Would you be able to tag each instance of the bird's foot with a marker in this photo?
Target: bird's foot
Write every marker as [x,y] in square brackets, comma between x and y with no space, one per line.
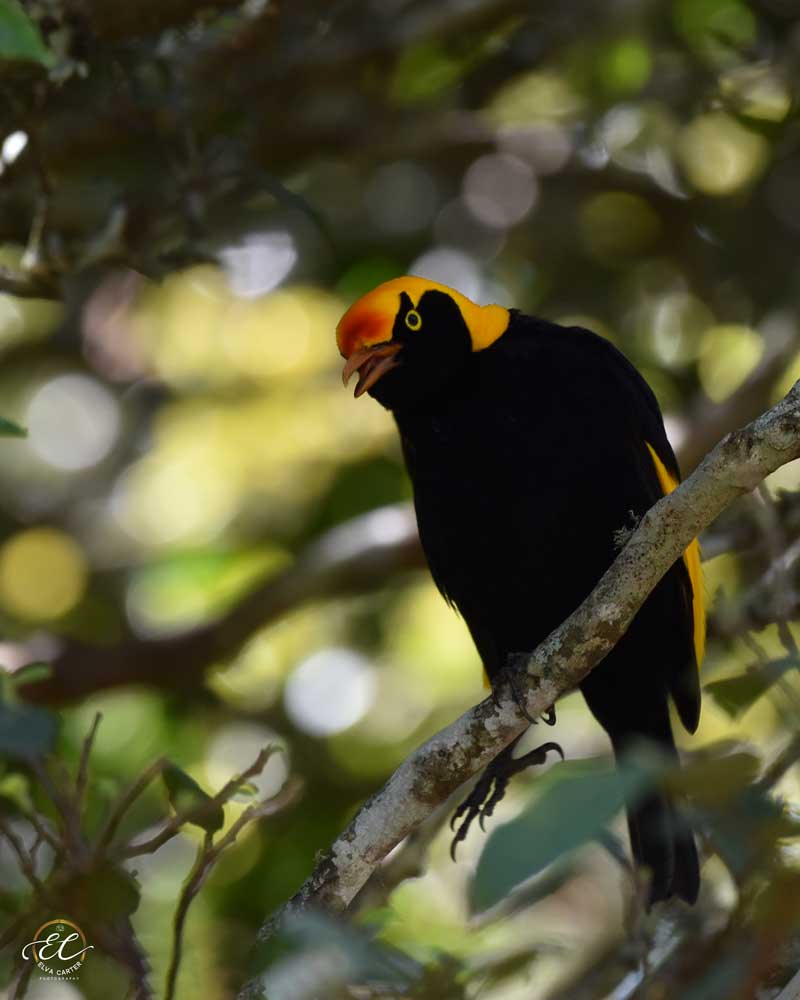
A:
[623,534]
[491,787]
[509,676]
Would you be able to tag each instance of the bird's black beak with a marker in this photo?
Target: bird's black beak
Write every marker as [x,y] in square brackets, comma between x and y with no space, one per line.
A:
[371,363]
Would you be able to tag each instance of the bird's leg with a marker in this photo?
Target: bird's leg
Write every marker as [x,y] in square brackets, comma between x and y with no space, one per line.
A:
[491,787]
[509,676]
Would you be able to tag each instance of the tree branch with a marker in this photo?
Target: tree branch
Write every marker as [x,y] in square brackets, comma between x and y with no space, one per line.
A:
[353,557]
[356,556]
[27,284]
[736,466]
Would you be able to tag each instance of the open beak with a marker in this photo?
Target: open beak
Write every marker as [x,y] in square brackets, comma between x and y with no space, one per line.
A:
[371,363]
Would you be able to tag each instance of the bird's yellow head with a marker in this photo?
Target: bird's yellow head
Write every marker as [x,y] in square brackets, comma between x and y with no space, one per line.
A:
[417,329]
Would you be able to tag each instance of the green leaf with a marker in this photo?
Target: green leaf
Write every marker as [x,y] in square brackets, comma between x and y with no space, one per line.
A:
[111,891]
[19,36]
[15,794]
[360,956]
[578,801]
[735,695]
[7,427]
[244,793]
[26,731]
[188,798]
[716,779]
[31,673]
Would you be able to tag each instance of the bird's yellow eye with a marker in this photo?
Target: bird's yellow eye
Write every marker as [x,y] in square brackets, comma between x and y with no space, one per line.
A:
[413,319]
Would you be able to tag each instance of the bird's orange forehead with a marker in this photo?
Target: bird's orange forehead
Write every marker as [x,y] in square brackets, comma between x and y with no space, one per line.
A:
[363,325]
[370,320]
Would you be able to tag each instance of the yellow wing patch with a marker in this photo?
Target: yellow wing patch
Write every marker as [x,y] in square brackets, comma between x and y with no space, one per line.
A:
[691,558]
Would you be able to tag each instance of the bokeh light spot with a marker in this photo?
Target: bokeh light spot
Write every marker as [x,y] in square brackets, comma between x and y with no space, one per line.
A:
[500,189]
[728,355]
[719,155]
[330,691]
[451,267]
[618,224]
[43,574]
[259,263]
[672,324]
[176,498]
[546,146]
[534,97]
[626,66]
[72,422]
[13,146]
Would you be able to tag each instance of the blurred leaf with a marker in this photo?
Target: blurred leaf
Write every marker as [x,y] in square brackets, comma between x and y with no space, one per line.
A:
[20,39]
[244,793]
[344,954]
[187,797]
[535,890]
[31,673]
[735,695]
[716,779]
[721,979]
[26,731]
[626,65]
[714,26]
[7,427]
[15,792]
[424,72]
[186,588]
[728,354]
[612,844]
[747,830]
[111,891]
[579,800]
[493,973]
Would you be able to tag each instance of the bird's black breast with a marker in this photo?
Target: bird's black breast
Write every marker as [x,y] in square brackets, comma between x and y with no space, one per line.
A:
[525,474]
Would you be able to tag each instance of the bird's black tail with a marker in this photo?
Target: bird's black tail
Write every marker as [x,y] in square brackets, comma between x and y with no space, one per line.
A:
[661,838]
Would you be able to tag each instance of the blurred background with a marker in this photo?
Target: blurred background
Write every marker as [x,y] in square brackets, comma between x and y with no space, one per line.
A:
[206,539]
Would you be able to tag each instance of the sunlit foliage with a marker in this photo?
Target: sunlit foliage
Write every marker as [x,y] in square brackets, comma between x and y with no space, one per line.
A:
[190,195]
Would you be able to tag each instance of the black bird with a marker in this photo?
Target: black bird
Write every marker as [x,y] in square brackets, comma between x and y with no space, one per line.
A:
[532,448]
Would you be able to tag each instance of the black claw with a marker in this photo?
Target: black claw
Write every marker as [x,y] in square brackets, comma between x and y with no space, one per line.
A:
[459,813]
[508,676]
[491,787]
[518,697]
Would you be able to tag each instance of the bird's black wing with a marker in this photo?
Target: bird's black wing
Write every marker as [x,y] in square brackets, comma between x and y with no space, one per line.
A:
[654,451]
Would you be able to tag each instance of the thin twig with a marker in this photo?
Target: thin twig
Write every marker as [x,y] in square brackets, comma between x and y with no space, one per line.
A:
[23,980]
[783,592]
[24,858]
[195,812]
[125,801]
[207,856]
[27,284]
[190,889]
[787,758]
[83,767]
[13,929]
[55,796]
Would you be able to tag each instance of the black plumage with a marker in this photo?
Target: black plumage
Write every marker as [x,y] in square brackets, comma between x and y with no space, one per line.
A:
[529,461]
